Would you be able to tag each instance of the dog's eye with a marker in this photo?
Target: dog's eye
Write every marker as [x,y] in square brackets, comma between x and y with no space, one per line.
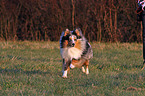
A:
[75,38]
[70,38]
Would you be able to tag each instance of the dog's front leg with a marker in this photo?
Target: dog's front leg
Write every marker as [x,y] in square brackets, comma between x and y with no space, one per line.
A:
[66,64]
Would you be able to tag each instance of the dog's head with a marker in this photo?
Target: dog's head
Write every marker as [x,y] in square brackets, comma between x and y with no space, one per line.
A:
[75,36]
[69,38]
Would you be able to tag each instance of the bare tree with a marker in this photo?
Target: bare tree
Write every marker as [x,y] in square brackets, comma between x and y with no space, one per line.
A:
[100,20]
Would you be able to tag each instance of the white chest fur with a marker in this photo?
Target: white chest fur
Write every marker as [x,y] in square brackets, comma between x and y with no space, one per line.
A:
[71,52]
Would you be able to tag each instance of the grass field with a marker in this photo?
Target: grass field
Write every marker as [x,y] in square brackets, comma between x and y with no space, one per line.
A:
[34,69]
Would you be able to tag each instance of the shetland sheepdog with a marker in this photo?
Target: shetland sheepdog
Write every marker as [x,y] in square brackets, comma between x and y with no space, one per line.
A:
[75,51]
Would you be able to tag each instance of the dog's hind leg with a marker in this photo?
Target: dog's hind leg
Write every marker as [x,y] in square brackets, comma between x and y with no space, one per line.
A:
[83,69]
[87,68]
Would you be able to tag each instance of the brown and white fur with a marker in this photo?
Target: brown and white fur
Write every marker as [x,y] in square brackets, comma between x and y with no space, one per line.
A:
[75,51]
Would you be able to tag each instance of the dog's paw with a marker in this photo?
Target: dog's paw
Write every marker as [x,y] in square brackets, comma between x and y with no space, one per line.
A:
[72,66]
[64,74]
[87,72]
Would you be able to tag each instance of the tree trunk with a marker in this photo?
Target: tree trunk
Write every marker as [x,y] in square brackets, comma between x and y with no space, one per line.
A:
[99,35]
[115,26]
[73,13]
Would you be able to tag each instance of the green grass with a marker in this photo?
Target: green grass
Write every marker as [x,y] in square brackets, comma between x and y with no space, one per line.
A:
[34,69]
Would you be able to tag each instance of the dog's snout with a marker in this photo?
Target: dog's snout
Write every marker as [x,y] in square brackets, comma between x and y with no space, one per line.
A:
[73,44]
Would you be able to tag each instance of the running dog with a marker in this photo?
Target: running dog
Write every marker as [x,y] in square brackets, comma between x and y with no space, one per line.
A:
[75,51]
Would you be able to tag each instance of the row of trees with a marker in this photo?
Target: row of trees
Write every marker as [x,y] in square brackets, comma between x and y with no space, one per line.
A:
[100,20]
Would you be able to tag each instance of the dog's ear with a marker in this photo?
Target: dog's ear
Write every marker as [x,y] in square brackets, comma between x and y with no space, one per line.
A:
[78,32]
[66,32]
